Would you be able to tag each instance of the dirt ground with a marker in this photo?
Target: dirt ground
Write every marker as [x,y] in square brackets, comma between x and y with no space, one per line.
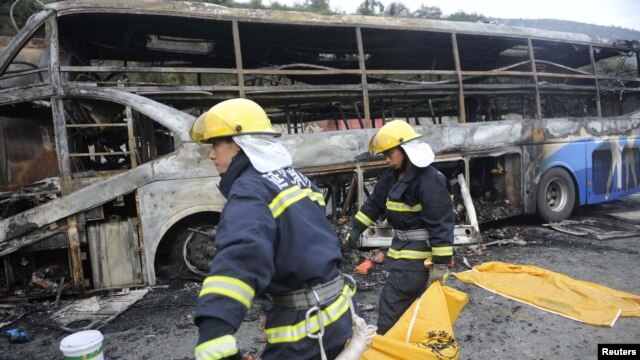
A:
[160,325]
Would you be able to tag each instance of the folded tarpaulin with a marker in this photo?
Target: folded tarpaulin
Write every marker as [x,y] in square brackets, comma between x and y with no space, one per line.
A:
[579,300]
[425,330]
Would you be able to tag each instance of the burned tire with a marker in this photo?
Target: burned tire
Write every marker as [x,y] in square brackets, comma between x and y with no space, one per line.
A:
[555,195]
[194,250]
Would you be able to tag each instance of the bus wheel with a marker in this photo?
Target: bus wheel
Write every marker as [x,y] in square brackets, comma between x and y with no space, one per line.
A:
[196,247]
[556,195]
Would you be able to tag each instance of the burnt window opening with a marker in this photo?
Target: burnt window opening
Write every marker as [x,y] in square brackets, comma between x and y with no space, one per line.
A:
[102,138]
[30,66]
[495,185]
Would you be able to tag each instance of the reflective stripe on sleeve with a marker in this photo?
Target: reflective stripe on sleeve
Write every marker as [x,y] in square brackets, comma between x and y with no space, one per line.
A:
[442,250]
[217,348]
[315,196]
[402,207]
[292,333]
[230,287]
[408,254]
[290,196]
[364,219]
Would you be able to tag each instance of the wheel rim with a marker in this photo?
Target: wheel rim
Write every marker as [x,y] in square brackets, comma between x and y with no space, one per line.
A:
[198,251]
[556,194]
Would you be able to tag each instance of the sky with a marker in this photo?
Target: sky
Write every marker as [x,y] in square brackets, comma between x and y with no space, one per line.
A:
[624,13]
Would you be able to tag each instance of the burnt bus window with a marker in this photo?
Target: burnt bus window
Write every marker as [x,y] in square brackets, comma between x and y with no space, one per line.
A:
[28,162]
[103,137]
[31,64]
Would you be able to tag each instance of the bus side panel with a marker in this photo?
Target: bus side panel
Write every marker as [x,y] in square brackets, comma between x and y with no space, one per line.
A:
[572,157]
[164,203]
[614,167]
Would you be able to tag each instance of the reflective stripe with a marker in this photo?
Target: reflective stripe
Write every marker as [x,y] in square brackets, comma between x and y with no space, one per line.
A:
[290,196]
[402,207]
[442,251]
[364,219]
[292,333]
[230,287]
[217,348]
[315,196]
[408,254]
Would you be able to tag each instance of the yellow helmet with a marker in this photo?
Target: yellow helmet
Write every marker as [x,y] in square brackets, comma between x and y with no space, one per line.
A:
[230,118]
[392,134]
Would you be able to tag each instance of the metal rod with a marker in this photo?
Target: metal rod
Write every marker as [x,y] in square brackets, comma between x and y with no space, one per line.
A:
[100,154]
[456,58]
[238,54]
[363,79]
[534,70]
[595,74]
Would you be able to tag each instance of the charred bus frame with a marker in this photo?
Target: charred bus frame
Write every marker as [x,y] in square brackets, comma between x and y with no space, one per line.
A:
[495,103]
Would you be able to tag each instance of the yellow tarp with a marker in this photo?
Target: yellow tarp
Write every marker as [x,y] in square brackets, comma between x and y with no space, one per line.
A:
[425,330]
[579,300]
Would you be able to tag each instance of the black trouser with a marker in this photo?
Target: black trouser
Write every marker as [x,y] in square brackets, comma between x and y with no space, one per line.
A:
[400,290]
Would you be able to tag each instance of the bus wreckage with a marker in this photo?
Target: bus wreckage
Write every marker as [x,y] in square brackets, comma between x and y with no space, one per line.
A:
[102,188]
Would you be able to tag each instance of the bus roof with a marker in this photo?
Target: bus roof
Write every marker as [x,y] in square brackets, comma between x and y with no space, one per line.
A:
[212,11]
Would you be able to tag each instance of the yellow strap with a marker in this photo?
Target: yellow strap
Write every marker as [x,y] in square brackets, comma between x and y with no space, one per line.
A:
[402,207]
[296,332]
[229,287]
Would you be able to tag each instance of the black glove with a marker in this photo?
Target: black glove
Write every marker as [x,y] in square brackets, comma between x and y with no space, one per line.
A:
[352,239]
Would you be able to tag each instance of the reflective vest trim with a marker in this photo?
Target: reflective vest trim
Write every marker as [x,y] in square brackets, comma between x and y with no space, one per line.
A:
[316,196]
[217,348]
[442,251]
[402,207]
[230,287]
[364,219]
[408,254]
[290,196]
[296,332]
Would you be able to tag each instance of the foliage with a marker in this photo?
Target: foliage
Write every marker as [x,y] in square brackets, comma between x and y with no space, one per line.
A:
[21,12]
[618,66]
[428,12]
[398,9]
[370,8]
[463,16]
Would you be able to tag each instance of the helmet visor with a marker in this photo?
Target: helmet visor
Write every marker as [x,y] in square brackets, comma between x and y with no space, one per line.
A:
[198,129]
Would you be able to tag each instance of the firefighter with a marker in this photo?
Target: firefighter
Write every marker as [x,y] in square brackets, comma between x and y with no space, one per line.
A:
[273,237]
[415,198]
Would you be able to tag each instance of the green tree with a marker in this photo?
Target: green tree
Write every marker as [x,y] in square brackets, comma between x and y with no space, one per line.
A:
[277,6]
[370,7]
[255,4]
[617,66]
[463,16]
[397,9]
[317,6]
[428,12]
[21,12]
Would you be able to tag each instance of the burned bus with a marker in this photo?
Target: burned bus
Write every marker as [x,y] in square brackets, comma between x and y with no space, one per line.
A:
[100,184]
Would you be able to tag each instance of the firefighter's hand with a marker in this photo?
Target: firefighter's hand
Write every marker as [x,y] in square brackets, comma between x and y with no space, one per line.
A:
[352,239]
[440,272]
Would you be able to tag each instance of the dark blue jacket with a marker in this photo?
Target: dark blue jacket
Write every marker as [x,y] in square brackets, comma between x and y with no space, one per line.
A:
[420,200]
[273,237]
